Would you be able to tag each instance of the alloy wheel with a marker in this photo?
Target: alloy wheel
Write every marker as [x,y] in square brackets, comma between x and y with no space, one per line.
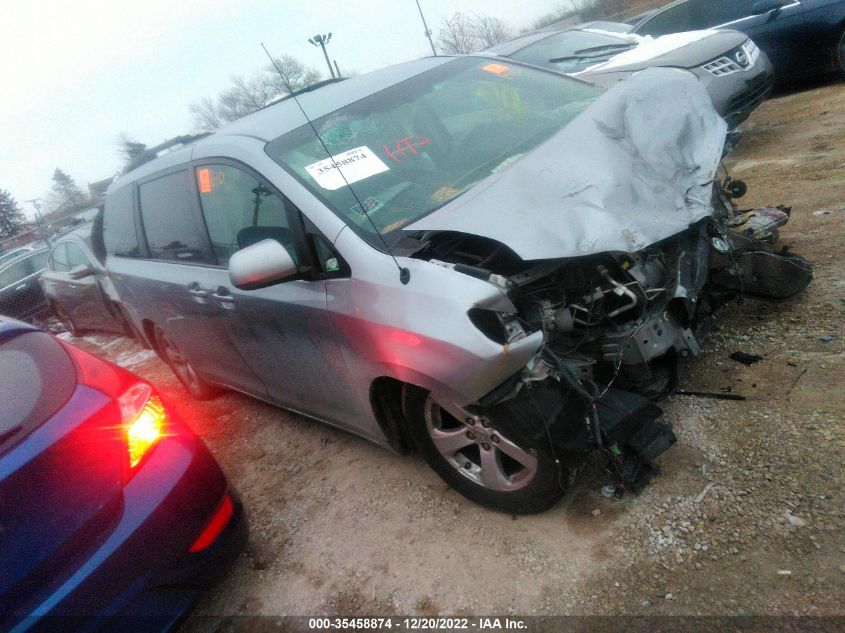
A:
[478,451]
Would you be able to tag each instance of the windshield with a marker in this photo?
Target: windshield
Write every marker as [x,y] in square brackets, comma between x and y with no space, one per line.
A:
[573,51]
[414,146]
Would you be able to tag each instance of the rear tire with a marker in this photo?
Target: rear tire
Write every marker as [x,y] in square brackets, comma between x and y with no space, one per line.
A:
[65,319]
[182,368]
[840,56]
[480,463]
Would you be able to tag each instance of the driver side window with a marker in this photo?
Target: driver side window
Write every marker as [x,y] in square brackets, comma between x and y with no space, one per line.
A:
[240,210]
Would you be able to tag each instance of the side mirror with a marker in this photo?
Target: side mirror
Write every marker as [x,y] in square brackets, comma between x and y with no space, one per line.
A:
[80,272]
[761,7]
[262,264]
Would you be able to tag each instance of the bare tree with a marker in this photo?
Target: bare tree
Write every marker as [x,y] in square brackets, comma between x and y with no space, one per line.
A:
[244,97]
[293,73]
[248,94]
[489,30]
[206,117]
[462,34]
[455,36]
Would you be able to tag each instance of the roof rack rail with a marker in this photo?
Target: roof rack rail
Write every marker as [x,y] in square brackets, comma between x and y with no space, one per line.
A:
[150,153]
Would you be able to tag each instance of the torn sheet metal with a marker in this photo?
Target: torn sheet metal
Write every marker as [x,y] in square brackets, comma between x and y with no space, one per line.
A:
[762,223]
[634,168]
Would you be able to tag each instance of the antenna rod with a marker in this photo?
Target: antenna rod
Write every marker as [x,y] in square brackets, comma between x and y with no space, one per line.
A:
[427,30]
[404,273]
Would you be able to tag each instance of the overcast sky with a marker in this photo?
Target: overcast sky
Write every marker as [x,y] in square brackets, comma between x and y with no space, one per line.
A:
[77,74]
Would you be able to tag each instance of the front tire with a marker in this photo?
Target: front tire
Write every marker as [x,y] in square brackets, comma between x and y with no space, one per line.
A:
[479,462]
[182,368]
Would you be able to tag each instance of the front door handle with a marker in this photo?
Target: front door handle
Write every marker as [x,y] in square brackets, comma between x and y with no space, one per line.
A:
[222,295]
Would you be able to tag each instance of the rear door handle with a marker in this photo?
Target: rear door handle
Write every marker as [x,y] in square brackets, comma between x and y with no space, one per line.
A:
[198,292]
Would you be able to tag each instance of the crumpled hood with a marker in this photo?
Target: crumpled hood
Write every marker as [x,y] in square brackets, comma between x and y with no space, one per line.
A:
[634,168]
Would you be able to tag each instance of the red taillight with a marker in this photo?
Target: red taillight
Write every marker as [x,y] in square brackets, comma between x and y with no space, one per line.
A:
[144,419]
[215,526]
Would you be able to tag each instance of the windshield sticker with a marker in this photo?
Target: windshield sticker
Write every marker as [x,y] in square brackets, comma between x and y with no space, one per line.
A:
[497,69]
[355,164]
[446,192]
[370,204]
[404,145]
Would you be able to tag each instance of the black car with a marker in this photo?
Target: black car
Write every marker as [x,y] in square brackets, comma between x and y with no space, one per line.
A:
[802,38]
[20,295]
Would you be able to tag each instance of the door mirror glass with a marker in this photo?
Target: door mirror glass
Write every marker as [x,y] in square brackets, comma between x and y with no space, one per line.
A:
[764,6]
[80,272]
[262,264]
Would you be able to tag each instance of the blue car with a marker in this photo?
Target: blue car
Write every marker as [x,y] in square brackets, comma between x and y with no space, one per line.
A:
[803,38]
[113,513]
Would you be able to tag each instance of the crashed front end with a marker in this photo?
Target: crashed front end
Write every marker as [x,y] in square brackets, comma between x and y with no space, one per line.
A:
[618,241]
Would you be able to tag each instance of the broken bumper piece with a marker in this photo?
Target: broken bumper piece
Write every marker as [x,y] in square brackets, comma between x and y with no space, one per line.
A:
[625,428]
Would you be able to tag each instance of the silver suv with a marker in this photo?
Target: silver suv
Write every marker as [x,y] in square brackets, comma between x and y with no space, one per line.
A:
[494,264]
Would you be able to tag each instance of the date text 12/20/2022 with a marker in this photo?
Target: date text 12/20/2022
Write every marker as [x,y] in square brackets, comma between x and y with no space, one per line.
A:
[418,624]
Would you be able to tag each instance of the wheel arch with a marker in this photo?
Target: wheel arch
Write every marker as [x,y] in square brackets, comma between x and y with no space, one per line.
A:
[148,330]
[387,402]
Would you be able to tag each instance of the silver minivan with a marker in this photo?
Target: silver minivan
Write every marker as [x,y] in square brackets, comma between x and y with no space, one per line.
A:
[492,264]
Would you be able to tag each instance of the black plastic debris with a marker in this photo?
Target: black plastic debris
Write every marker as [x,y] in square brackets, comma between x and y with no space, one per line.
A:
[711,394]
[746,359]
[827,338]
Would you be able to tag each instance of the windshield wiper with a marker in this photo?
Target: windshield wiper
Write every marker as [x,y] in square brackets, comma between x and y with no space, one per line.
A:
[599,50]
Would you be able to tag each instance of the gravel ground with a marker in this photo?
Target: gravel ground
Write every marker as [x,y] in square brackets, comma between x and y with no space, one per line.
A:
[746,518]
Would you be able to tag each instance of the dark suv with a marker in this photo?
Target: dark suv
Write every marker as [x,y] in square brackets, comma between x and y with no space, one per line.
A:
[802,38]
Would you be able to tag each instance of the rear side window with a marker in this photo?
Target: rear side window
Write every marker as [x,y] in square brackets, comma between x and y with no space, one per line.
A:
[240,210]
[168,218]
[22,268]
[119,234]
[36,379]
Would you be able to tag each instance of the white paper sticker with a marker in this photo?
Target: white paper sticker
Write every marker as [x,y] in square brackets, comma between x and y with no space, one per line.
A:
[356,164]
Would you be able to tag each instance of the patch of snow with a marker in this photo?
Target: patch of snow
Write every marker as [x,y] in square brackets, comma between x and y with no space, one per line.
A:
[649,48]
[133,358]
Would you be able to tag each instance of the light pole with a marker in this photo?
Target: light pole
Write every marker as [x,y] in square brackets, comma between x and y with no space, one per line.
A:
[427,30]
[39,219]
[321,41]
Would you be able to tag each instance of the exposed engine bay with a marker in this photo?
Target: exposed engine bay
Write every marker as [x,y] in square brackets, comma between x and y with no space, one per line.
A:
[618,328]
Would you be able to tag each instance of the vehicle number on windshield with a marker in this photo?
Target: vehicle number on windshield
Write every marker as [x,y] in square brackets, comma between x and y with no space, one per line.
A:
[353,165]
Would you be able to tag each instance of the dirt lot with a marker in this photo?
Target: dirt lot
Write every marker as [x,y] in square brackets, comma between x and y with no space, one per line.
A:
[340,526]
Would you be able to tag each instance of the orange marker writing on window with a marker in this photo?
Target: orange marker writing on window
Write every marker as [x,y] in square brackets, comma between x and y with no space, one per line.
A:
[204,178]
